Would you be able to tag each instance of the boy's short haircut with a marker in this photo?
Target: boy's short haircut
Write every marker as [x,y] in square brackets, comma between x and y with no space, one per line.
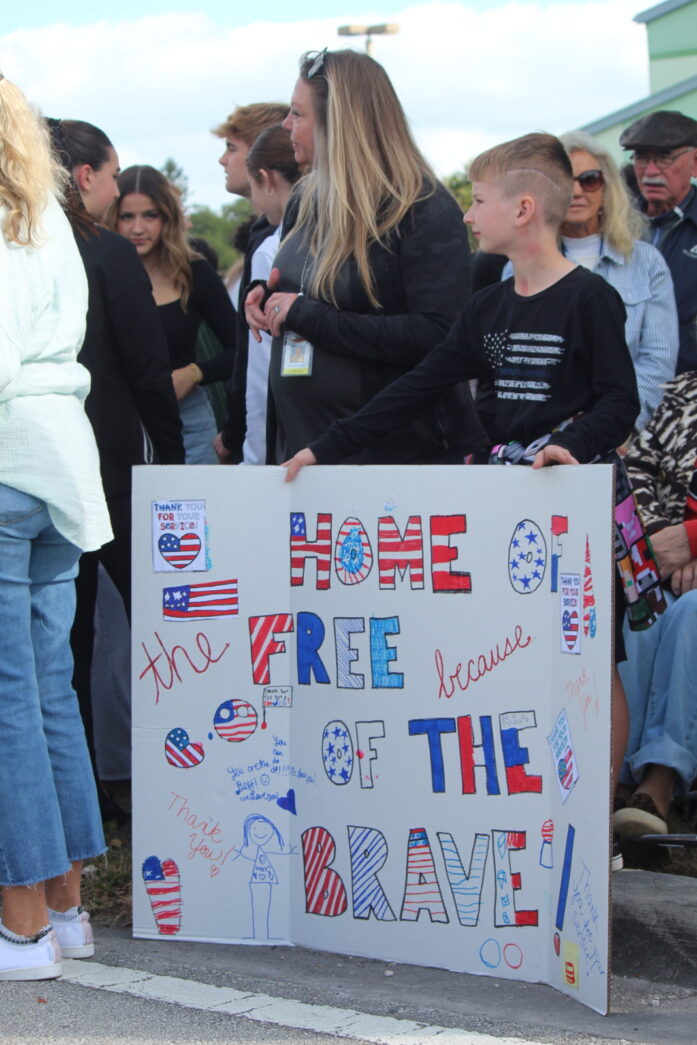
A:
[248,121]
[535,163]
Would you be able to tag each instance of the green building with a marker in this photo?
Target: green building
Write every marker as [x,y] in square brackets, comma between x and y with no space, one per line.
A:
[671,29]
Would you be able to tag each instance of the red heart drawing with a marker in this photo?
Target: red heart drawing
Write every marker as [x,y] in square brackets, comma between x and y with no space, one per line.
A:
[179,552]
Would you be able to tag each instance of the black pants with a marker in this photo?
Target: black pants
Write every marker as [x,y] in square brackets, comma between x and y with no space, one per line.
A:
[116,559]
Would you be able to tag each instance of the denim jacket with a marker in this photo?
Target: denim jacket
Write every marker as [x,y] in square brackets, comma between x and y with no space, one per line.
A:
[644,283]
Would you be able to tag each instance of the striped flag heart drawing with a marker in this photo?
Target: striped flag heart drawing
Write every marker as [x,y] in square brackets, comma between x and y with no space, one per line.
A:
[569,627]
[161,878]
[181,752]
[179,552]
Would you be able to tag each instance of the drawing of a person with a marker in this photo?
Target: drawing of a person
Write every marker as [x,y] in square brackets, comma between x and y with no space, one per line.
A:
[259,833]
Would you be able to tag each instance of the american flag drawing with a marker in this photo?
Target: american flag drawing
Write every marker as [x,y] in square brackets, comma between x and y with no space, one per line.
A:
[567,769]
[353,555]
[401,553]
[179,552]
[589,622]
[301,549]
[235,720]
[422,889]
[569,627]
[200,601]
[324,889]
[181,752]
[161,878]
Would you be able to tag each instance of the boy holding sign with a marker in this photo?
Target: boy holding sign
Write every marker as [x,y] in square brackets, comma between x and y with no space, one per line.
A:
[550,340]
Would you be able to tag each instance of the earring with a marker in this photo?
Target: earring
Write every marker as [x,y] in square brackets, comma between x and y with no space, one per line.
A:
[268,191]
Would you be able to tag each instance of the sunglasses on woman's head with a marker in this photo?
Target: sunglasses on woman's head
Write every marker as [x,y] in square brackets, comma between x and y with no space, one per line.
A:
[317,64]
[590,181]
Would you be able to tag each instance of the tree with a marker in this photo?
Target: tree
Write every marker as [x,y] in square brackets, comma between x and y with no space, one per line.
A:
[461,188]
[219,228]
[174,173]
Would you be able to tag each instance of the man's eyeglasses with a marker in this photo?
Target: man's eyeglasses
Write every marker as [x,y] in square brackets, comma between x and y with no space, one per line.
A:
[590,181]
[662,160]
[317,64]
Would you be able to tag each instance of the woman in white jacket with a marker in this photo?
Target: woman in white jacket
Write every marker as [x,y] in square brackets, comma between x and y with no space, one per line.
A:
[51,509]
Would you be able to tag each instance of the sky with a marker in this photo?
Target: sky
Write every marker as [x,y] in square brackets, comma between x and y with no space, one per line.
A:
[157,75]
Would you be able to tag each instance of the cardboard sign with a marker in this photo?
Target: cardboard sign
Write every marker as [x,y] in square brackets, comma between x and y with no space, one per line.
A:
[360,728]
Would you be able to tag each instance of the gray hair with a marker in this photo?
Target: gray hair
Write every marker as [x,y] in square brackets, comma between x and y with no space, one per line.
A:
[620,222]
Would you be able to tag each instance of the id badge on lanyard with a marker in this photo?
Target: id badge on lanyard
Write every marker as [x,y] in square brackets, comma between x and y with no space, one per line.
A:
[296,359]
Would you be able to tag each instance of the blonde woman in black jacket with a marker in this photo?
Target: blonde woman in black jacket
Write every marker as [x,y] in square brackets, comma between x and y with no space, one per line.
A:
[372,270]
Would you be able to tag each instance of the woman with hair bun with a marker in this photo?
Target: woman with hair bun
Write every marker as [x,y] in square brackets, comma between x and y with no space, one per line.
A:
[187,290]
[373,268]
[51,508]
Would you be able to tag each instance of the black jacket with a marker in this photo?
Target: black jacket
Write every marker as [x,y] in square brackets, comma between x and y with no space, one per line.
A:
[679,247]
[422,280]
[131,405]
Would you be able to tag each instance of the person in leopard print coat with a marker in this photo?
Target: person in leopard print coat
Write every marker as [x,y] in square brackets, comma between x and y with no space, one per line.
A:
[661,667]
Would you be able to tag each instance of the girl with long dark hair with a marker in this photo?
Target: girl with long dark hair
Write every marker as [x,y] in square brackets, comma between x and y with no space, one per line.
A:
[187,290]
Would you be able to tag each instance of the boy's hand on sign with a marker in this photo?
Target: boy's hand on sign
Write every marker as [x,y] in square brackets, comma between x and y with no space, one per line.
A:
[294,465]
[553,454]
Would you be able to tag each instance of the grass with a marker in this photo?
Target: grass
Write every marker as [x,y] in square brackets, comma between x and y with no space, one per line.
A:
[106,881]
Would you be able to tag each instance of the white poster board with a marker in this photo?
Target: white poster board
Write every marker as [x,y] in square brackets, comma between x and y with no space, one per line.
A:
[371,714]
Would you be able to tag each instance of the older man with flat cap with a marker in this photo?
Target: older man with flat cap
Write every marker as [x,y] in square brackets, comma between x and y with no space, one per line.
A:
[665,161]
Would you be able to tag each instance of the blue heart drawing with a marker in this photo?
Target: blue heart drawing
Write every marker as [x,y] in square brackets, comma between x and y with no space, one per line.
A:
[287,802]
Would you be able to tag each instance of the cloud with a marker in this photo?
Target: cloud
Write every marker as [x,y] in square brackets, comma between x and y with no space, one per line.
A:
[466,78]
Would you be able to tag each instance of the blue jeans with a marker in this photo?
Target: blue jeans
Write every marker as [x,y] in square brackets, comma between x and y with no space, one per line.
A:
[198,428]
[49,813]
[659,679]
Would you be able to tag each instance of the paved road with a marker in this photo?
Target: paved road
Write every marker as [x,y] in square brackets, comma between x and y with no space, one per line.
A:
[160,992]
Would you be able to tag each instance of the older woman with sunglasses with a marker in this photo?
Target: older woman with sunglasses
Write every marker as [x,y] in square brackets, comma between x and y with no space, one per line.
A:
[602,232]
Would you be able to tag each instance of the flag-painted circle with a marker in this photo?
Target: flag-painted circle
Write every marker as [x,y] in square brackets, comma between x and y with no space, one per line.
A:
[337,752]
[353,555]
[527,557]
[235,720]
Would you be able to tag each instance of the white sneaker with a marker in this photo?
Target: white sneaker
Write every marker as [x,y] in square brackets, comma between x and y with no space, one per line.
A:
[30,961]
[74,934]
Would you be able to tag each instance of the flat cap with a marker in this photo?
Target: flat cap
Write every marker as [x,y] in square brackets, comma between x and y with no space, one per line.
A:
[666,129]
